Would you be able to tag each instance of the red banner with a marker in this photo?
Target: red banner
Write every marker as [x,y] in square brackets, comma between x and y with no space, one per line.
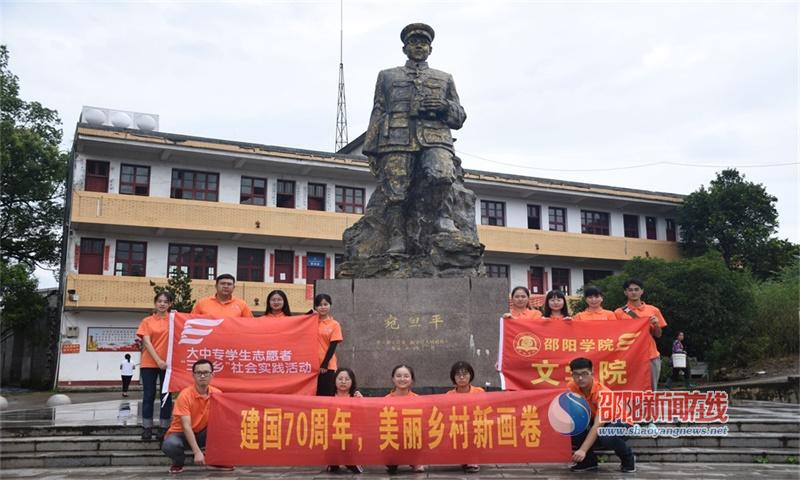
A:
[270,355]
[536,353]
[499,427]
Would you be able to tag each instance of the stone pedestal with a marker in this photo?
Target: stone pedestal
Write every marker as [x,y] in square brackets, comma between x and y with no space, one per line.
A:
[427,323]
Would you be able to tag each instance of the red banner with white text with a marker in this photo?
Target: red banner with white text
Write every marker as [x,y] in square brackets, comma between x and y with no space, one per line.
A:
[535,354]
[498,427]
[263,354]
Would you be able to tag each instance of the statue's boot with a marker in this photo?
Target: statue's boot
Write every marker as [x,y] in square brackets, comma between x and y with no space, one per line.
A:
[397,237]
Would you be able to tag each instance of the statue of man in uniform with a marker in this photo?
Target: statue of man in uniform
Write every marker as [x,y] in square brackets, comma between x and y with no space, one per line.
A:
[420,221]
[409,130]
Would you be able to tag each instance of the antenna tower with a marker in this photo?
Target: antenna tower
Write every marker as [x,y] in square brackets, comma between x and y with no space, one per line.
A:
[341,108]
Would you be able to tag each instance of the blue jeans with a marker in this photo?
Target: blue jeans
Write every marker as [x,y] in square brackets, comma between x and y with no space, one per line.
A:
[149,378]
[175,445]
[616,443]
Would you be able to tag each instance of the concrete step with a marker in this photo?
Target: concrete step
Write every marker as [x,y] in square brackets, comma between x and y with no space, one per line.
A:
[156,458]
[731,441]
[69,430]
[76,443]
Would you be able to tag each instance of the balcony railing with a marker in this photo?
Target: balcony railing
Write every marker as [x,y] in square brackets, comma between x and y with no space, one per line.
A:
[189,215]
[96,292]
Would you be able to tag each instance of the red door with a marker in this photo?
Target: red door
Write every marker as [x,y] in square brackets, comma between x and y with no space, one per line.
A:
[315,267]
[96,176]
[284,266]
[537,280]
[91,261]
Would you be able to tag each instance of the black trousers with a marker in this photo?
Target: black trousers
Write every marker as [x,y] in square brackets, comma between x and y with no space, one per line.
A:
[126,381]
[326,384]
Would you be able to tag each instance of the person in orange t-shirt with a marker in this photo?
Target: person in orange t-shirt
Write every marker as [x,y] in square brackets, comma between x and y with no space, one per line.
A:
[223,303]
[520,301]
[278,304]
[190,419]
[154,332]
[636,308]
[593,297]
[462,374]
[403,380]
[584,384]
[330,335]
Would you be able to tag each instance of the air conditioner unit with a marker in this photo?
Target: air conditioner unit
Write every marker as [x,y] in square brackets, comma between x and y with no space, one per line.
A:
[72,331]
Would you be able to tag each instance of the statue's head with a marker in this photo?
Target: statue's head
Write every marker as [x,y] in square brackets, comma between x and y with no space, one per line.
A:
[417,39]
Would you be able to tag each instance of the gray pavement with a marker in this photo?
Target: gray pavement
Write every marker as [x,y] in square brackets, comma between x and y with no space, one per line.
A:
[607,471]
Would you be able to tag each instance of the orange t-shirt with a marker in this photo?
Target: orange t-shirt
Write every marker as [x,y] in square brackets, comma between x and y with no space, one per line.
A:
[644,311]
[594,396]
[472,389]
[191,403]
[410,394]
[603,314]
[525,314]
[235,307]
[157,328]
[329,331]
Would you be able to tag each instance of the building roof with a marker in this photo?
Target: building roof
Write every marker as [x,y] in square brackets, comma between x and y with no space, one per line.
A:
[346,158]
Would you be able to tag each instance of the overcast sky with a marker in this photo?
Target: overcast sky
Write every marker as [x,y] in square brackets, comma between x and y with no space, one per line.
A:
[645,95]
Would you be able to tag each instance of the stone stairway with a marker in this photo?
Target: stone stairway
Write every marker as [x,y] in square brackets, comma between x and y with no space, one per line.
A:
[758,432]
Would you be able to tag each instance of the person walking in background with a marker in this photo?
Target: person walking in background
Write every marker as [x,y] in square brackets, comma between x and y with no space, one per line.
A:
[154,332]
[126,370]
[680,363]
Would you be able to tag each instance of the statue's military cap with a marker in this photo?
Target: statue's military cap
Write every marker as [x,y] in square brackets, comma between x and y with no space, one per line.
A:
[417,29]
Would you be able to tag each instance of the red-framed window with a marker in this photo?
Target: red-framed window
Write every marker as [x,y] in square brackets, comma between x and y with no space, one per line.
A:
[534,217]
[595,223]
[193,185]
[650,226]
[671,233]
[253,191]
[199,261]
[349,199]
[250,265]
[560,279]
[496,270]
[134,180]
[91,256]
[130,259]
[557,219]
[96,176]
[285,198]
[591,276]
[493,213]
[631,225]
[316,196]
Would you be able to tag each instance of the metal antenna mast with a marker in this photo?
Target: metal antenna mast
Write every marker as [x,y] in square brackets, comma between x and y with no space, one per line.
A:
[341,110]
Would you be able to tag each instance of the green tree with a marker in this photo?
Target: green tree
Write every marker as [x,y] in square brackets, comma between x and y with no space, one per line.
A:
[33,174]
[736,218]
[19,300]
[180,285]
[700,296]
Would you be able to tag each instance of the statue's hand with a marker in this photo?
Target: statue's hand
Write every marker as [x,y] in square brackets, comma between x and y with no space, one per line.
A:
[433,104]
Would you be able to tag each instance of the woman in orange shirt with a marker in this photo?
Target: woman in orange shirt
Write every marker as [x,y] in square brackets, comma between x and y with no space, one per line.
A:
[278,304]
[346,387]
[555,306]
[462,374]
[330,335]
[593,297]
[520,301]
[403,379]
[154,332]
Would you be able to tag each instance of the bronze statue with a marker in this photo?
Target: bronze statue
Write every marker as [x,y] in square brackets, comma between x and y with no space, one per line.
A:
[420,222]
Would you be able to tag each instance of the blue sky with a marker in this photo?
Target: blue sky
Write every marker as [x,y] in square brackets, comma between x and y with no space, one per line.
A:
[650,95]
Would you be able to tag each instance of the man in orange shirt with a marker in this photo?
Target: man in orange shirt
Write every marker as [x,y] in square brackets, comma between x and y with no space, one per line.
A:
[190,419]
[584,384]
[636,308]
[223,303]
